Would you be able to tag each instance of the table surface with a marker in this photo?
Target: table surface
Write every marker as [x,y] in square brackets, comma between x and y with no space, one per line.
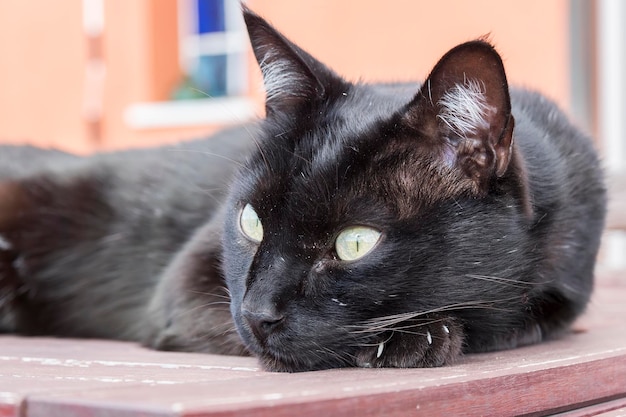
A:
[583,373]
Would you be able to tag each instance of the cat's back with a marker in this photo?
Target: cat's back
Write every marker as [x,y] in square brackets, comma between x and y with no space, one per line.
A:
[110,220]
[567,193]
[24,160]
[560,159]
[533,110]
[188,180]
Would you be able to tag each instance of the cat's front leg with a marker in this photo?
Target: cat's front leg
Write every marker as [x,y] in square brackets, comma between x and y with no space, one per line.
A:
[428,343]
[189,310]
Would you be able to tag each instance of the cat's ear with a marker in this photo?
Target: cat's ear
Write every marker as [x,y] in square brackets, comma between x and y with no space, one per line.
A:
[292,78]
[464,105]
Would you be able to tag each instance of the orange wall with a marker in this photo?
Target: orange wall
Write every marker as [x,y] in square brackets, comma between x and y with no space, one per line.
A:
[41,71]
[403,39]
[137,48]
[43,54]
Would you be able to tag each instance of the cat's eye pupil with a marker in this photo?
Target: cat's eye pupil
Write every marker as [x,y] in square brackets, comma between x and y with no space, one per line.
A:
[250,224]
[355,242]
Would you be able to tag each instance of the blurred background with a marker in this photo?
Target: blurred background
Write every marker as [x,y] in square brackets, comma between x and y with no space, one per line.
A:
[89,75]
[92,75]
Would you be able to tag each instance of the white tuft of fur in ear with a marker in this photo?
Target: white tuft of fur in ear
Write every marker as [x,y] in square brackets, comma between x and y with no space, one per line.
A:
[464,108]
[281,77]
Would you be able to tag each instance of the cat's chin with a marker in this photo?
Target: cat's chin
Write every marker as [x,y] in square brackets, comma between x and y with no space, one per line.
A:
[274,357]
[436,343]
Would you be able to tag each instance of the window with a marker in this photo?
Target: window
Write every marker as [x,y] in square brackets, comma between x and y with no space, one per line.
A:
[213,47]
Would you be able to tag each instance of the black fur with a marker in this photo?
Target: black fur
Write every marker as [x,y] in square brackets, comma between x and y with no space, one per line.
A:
[488,233]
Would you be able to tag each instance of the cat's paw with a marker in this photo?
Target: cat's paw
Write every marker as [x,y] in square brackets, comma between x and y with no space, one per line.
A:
[9,253]
[437,343]
[9,262]
[9,285]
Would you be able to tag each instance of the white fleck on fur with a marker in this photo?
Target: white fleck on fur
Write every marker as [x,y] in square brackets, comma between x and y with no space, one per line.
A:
[381,347]
[334,300]
[464,108]
[5,244]
[429,338]
[19,265]
[281,76]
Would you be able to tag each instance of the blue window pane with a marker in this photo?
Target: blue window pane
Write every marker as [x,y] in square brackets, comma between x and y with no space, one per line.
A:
[210,75]
[210,15]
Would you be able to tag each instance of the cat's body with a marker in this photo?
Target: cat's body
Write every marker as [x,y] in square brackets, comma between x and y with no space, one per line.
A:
[103,229]
[485,234]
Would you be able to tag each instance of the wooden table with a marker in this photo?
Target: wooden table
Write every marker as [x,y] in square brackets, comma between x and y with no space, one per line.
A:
[583,373]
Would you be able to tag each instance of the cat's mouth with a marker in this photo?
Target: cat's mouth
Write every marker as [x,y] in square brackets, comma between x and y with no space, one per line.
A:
[274,357]
[277,354]
[298,361]
[280,354]
[273,363]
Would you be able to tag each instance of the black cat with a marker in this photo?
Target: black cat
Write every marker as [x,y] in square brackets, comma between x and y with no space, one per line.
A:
[365,225]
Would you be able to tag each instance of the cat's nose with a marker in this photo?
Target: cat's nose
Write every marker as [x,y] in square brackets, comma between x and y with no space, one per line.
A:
[262,322]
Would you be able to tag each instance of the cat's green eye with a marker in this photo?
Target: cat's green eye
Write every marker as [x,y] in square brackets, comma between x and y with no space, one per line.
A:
[251,224]
[355,242]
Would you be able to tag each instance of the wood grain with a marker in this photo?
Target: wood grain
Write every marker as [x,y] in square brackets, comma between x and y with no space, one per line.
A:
[63,377]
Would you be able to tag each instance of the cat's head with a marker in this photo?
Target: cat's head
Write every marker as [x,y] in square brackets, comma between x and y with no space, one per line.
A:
[358,203]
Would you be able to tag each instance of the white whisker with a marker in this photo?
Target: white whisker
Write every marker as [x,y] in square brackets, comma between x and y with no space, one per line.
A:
[208,153]
[379,352]
[404,321]
[504,281]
